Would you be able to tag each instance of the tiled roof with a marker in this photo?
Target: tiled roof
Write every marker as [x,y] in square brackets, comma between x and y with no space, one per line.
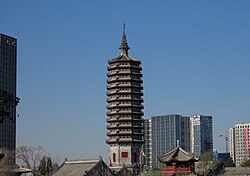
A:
[124,57]
[177,155]
[76,168]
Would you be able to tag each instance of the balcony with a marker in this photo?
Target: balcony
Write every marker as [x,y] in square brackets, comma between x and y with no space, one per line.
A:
[111,113]
[112,79]
[138,140]
[119,111]
[113,72]
[110,141]
[118,105]
[125,125]
[138,106]
[114,98]
[137,73]
[120,140]
[125,140]
[113,133]
[113,66]
[112,92]
[125,133]
[120,91]
[122,132]
[138,133]
[124,119]
[112,126]
[111,86]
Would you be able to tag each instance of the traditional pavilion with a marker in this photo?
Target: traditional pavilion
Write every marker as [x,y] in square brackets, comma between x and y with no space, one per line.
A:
[178,161]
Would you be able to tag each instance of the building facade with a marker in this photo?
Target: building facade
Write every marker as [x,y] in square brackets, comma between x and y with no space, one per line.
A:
[166,130]
[232,143]
[8,65]
[201,134]
[147,147]
[239,143]
[125,116]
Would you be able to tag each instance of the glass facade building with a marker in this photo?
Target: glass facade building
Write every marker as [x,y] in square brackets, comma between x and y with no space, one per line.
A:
[8,66]
[201,134]
[166,130]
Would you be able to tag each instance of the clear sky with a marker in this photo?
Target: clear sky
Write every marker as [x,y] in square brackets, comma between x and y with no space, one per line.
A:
[195,58]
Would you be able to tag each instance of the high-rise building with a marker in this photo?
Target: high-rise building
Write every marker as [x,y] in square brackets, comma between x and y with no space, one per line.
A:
[8,64]
[239,143]
[165,131]
[125,116]
[201,134]
[232,143]
[147,147]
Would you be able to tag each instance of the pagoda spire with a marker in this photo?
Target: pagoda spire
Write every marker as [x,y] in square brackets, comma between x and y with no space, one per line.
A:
[124,44]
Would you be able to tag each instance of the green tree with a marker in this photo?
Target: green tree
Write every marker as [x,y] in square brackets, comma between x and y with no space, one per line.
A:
[230,163]
[205,160]
[49,168]
[55,167]
[42,168]
[246,163]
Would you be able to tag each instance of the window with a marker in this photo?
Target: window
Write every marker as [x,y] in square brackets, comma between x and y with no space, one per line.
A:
[114,157]
[135,157]
[124,154]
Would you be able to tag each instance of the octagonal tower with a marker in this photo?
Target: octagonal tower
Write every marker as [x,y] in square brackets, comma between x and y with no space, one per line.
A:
[125,116]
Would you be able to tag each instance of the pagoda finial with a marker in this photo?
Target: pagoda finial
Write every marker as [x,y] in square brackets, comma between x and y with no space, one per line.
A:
[123,28]
[124,45]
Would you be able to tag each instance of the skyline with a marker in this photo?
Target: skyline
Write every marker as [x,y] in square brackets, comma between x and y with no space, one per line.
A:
[195,60]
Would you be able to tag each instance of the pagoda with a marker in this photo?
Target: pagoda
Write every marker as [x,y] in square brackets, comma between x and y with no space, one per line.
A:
[125,115]
[178,162]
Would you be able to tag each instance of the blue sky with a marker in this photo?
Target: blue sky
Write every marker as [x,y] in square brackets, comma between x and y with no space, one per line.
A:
[195,57]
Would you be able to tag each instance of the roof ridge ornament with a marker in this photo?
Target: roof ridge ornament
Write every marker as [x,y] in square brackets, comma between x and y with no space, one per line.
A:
[124,44]
[178,143]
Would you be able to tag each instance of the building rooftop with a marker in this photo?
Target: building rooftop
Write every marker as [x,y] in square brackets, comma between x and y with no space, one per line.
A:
[77,167]
[177,155]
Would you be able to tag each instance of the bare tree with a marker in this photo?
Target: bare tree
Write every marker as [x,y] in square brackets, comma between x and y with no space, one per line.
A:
[6,167]
[36,159]
[30,157]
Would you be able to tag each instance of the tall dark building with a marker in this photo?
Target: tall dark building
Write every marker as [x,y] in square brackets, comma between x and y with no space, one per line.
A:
[8,64]
[201,134]
[163,134]
[125,116]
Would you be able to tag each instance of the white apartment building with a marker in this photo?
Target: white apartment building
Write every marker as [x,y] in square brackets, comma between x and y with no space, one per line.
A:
[239,143]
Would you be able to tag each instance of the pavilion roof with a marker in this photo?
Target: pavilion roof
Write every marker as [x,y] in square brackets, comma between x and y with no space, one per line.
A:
[177,155]
[81,168]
